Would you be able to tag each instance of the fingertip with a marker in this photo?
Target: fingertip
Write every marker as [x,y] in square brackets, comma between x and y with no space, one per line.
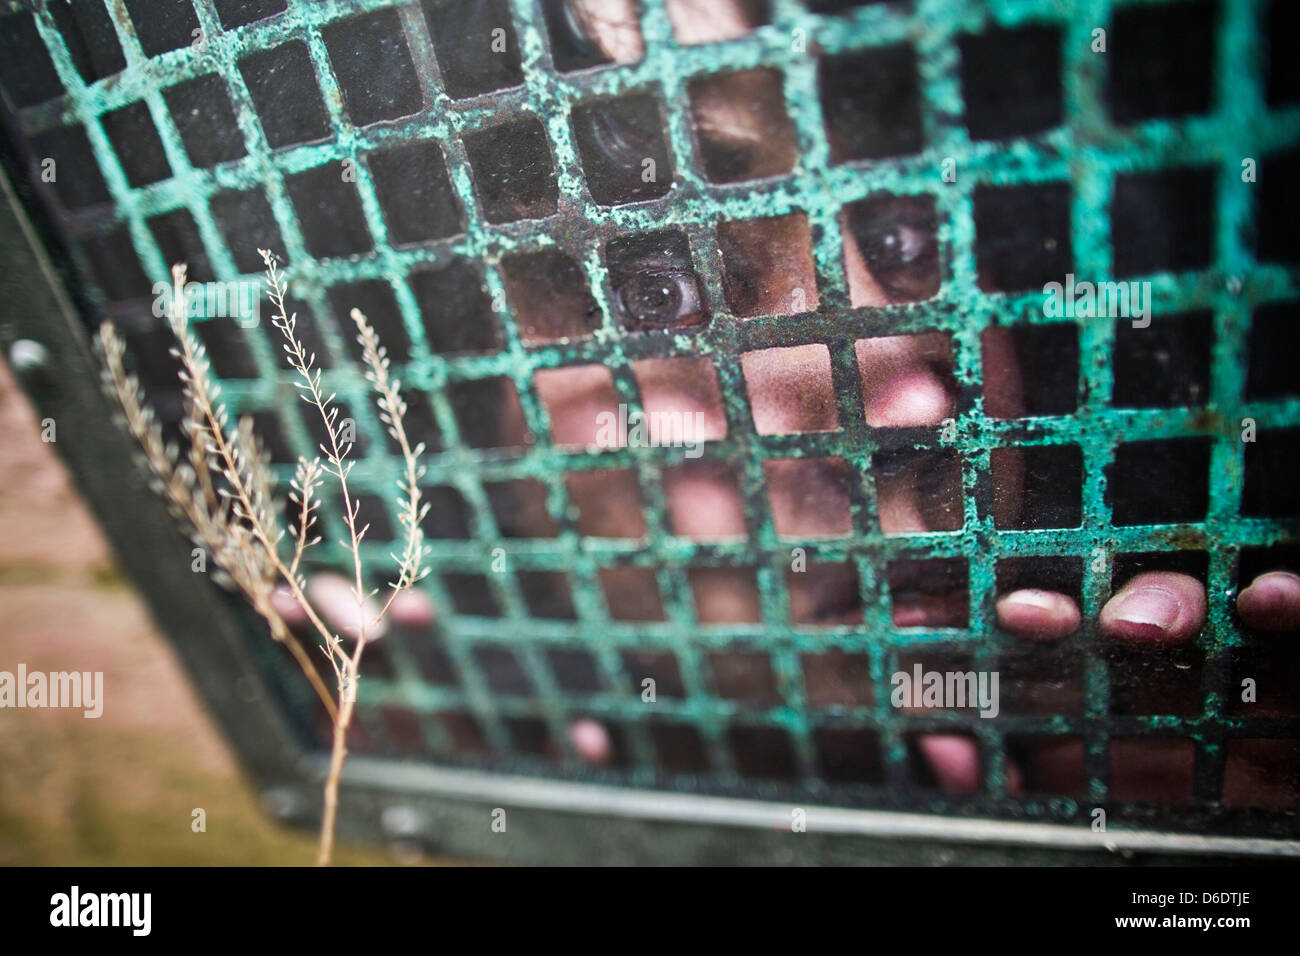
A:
[412,609]
[1271,602]
[336,601]
[954,760]
[1155,608]
[287,606]
[1015,780]
[591,740]
[1038,615]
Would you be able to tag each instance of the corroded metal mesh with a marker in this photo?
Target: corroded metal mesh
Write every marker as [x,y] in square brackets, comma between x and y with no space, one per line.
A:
[452,191]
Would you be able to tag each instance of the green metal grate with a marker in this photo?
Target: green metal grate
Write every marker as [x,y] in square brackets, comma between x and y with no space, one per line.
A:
[405,703]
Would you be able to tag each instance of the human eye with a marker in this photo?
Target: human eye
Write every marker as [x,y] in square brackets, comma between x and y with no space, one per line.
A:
[660,300]
[654,284]
[897,238]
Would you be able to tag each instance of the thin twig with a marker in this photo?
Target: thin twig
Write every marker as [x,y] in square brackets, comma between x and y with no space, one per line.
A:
[224,493]
[211,529]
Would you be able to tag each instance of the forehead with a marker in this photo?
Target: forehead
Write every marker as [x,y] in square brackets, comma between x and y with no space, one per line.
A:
[477,180]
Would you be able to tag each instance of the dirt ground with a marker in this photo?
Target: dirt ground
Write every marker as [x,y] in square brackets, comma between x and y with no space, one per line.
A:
[120,789]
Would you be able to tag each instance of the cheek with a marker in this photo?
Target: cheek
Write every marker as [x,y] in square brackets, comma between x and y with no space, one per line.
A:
[726,596]
[614,25]
[575,398]
[896,501]
[1002,385]
[809,497]
[608,503]
[706,507]
[790,390]
[679,387]
[707,21]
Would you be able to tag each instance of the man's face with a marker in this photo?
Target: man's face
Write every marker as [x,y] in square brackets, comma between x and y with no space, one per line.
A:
[890,256]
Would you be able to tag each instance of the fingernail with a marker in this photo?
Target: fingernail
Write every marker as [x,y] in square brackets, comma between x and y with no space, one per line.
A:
[1150,610]
[1044,600]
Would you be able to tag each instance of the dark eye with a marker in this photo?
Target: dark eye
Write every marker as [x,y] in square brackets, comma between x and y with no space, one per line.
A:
[660,300]
[895,247]
[898,242]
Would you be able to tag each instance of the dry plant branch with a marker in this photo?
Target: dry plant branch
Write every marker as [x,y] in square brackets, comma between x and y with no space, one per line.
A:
[221,490]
